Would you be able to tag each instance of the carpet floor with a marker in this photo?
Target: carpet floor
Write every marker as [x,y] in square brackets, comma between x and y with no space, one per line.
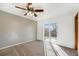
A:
[33,48]
[69,51]
[38,48]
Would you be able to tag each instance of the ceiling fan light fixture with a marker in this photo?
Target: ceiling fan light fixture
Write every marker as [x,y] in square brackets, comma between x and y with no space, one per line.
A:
[30,10]
[30,13]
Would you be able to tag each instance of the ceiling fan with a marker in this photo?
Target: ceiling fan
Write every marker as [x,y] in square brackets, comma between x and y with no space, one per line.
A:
[30,9]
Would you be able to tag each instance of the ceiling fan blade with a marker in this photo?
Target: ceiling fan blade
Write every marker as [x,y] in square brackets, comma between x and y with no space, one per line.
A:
[38,10]
[20,8]
[35,14]
[25,14]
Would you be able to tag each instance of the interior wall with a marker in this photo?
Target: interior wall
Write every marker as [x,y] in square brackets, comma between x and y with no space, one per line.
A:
[65,30]
[15,29]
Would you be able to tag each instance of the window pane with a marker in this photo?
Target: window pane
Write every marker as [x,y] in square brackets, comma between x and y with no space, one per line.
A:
[46,30]
[53,30]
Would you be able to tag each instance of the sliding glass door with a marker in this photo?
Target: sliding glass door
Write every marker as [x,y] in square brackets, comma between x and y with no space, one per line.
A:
[50,31]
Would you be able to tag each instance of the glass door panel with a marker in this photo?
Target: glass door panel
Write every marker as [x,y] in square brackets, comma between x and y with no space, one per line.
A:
[53,31]
[46,31]
[50,31]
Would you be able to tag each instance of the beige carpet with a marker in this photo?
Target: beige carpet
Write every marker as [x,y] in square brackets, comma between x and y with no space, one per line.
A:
[69,51]
[36,48]
[33,48]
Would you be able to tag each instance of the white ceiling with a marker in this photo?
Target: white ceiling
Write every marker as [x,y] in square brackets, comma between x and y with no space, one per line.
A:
[50,9]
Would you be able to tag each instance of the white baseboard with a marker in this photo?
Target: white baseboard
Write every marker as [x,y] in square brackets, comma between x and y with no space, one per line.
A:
[65,45]
[15,44]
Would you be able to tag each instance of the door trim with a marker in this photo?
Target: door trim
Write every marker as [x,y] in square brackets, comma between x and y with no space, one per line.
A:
[76,31]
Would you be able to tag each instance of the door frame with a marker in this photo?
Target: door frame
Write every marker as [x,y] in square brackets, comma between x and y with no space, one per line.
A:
[76,31]
[49,30]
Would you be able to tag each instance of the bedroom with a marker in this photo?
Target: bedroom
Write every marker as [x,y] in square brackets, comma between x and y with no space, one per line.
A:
[24,34]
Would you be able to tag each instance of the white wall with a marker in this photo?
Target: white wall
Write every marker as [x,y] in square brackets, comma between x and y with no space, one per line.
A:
[65,30]
[15,29]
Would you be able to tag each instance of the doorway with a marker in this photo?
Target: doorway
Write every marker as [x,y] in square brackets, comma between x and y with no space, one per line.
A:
[50,31]
[50,36]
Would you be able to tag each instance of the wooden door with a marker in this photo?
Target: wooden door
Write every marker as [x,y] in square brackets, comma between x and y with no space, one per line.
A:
[76,32]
